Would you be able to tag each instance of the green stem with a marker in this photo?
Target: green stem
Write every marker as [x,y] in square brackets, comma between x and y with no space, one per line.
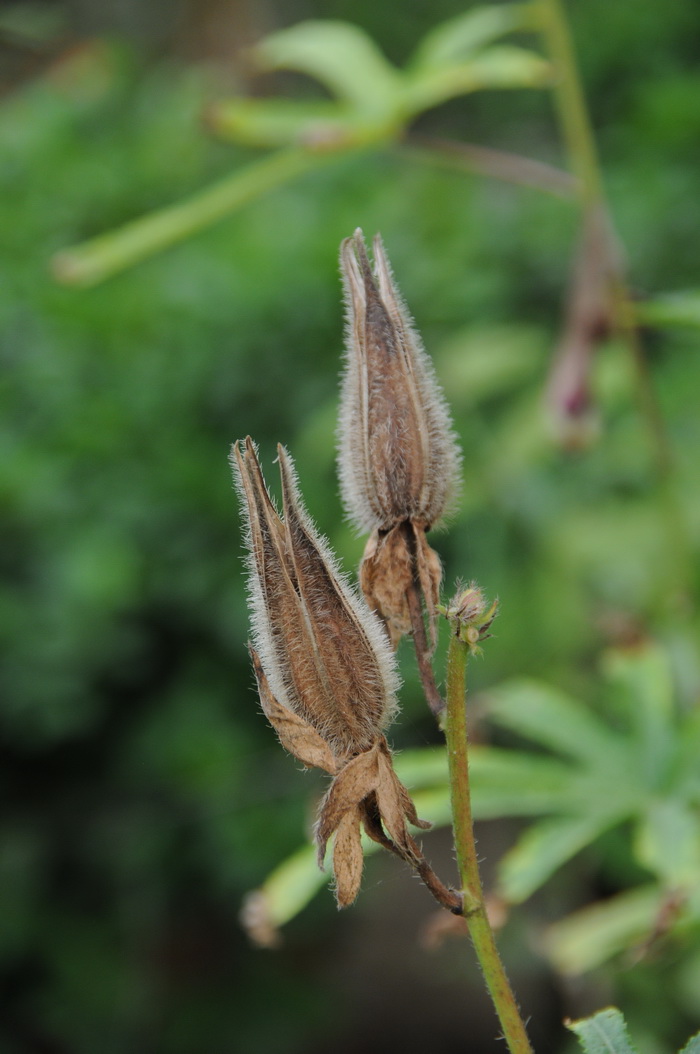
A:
[571,103]
[578,135]
[474,907]
[101,257]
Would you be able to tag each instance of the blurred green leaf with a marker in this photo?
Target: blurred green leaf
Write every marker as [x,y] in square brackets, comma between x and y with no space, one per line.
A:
[477,364]
[317,124]
[339,55]
[589,937]
[501,66]
[668,842]
[603,1033]
[453,41]
[692,1046]
[642,679]
[544,848]
[670,309]
[539,712]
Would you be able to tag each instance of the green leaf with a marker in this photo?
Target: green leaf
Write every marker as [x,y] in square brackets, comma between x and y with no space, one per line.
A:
[513,783]
[643,676]
[592,936]
[692,1046]
[503,782]
[423,767]
[552,719]
[458,38]
[317,124]
[542,849]
[671,309]
[604,1033]
[479,363]
[339,55]
[291,886]
[498,67]
[668,842]
[644,672]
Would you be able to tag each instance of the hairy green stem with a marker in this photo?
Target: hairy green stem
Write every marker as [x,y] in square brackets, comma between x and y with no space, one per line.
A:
[474,907]
[101,257]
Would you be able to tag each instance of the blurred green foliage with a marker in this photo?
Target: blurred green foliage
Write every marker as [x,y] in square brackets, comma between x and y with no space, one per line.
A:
[143,793]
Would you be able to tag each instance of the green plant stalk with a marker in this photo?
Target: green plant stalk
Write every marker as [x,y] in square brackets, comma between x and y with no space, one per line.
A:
[97,259]
[474,907]
[570,102]
[581,147]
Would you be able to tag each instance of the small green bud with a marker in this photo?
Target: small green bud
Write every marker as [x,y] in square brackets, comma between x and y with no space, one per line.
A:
[470,615]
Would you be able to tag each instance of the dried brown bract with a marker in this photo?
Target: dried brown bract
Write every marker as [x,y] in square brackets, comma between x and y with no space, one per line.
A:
[326,675]
[398,458]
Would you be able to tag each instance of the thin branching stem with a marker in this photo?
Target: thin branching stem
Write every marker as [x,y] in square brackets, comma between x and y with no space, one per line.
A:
[474,907]
[493,164]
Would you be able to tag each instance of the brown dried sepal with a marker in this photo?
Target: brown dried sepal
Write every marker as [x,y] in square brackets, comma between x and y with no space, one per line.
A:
[294,733]
[394,562]
[367,793]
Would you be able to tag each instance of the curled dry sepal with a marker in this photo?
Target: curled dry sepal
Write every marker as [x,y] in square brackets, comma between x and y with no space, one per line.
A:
[326,676]
[398,456]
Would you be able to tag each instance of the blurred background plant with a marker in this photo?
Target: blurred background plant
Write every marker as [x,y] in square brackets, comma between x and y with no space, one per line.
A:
[143,792]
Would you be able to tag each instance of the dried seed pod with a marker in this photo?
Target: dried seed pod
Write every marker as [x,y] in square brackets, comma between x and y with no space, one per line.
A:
[398,456]
[326,679]
[322,652]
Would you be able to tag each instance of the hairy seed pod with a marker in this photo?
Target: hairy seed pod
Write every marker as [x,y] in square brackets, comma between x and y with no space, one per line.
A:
[397,455]
[398,458]
[322,651]
[327,681]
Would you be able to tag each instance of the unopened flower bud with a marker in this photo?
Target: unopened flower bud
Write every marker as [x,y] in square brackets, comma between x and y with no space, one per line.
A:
[471,615]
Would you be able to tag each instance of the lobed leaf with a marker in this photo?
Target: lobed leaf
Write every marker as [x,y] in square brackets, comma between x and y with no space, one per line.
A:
[339,55]
[458,38]
[604,1033]
[498,67]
